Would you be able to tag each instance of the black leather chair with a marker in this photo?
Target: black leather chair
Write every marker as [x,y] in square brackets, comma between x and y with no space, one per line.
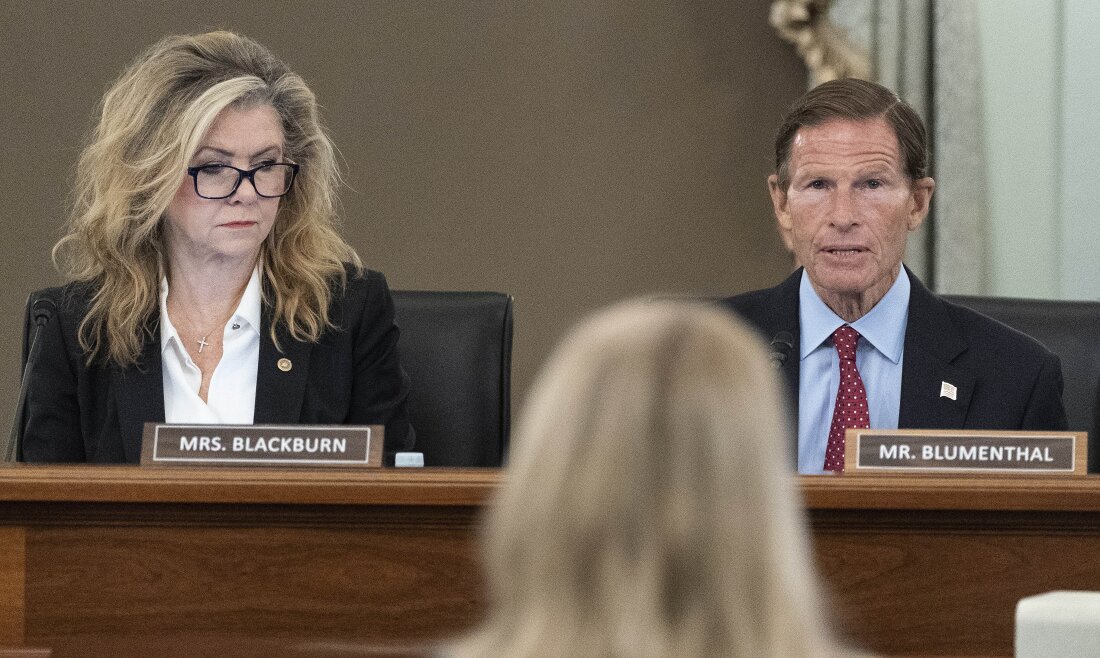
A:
[457,349]
[1070,329]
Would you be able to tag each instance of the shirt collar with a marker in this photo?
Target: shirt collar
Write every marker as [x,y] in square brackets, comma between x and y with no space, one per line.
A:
[168,333]
[247,313]
[249,308]
[883,326]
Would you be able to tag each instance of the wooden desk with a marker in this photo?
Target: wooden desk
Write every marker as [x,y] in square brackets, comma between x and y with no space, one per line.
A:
[936,565]
[114,551]
[917,566]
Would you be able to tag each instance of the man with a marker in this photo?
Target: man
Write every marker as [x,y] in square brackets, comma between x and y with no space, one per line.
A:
[851,182]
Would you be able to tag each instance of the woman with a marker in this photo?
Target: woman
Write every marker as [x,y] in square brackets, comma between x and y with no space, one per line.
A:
[648,511]
[208,283]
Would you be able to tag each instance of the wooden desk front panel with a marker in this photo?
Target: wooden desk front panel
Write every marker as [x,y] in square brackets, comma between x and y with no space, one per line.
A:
[917,566]
[936,590]
[375,561]
[378,583]
[936,566]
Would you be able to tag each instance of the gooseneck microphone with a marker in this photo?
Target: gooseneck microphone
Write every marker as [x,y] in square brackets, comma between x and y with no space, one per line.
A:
[42,310]
[781,347]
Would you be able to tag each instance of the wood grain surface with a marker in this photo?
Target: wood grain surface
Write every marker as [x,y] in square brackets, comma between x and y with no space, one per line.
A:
[121,556]
[935,566]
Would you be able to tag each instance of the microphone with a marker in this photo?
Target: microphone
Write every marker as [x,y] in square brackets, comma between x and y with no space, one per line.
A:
[781,347]
[42,310]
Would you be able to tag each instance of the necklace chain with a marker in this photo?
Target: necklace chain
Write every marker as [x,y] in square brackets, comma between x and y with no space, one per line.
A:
[203,335]
[202,339]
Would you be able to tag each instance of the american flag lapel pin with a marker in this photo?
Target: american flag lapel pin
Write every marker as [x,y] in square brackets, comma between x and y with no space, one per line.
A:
[948,390]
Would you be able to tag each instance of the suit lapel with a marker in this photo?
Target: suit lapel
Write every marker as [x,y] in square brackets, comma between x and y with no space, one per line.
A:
[783,316]
[140,396]
[787,319]
[932,344]
[280,377]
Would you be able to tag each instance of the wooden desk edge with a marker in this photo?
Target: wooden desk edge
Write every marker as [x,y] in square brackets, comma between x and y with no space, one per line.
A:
[953,492]
[133,484]
[465,487]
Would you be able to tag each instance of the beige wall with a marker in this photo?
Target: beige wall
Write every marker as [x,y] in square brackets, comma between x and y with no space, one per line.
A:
[570,154]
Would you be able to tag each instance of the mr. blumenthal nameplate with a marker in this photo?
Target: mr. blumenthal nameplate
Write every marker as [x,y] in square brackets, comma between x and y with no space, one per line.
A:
[1017,452]
[254,445]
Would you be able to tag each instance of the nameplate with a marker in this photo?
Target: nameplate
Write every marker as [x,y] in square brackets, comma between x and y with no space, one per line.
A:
[965,451]
[257,445]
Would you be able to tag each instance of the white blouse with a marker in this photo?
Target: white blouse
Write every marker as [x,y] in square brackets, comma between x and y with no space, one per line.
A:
[232,394]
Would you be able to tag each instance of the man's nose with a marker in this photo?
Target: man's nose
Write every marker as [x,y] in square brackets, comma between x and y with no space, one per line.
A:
[842,209]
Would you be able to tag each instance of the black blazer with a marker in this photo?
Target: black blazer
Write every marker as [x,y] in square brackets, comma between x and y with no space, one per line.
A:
[1006,380]
[77,412]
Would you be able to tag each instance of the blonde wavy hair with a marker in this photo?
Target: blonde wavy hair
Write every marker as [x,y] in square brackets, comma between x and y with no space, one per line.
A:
[151,122]
[648,509]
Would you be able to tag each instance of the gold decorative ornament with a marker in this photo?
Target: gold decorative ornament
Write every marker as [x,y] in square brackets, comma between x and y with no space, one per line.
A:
[823,46]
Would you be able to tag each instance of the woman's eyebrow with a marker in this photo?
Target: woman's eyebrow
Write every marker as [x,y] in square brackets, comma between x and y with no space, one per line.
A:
[229,154]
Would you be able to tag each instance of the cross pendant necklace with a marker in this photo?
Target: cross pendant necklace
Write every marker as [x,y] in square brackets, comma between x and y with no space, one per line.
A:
[202,343]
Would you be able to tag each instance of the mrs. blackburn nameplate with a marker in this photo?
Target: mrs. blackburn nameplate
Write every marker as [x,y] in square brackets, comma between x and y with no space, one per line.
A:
[253,445]
[1017,452]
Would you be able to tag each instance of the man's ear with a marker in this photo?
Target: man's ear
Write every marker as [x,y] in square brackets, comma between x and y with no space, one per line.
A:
[920,201]
[782,210]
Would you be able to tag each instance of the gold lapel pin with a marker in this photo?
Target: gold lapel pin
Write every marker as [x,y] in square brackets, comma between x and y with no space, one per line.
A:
[285,365]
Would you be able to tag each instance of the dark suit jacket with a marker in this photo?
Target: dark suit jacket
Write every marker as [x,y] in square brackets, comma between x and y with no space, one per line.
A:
[1005,379]
[77,412]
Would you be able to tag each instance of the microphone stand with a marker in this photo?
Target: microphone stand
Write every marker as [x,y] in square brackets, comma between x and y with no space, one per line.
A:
[41,310]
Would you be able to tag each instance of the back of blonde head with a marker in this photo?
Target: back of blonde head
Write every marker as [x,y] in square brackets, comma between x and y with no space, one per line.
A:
[648,509]
[151,122]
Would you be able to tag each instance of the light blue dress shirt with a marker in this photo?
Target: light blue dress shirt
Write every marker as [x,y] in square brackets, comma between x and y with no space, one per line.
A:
[878,357]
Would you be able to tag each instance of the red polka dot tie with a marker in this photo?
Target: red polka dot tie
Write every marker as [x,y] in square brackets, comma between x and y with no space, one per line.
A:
[851,398]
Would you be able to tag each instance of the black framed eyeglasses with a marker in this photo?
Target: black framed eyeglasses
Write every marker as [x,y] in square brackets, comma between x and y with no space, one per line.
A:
[218,181]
